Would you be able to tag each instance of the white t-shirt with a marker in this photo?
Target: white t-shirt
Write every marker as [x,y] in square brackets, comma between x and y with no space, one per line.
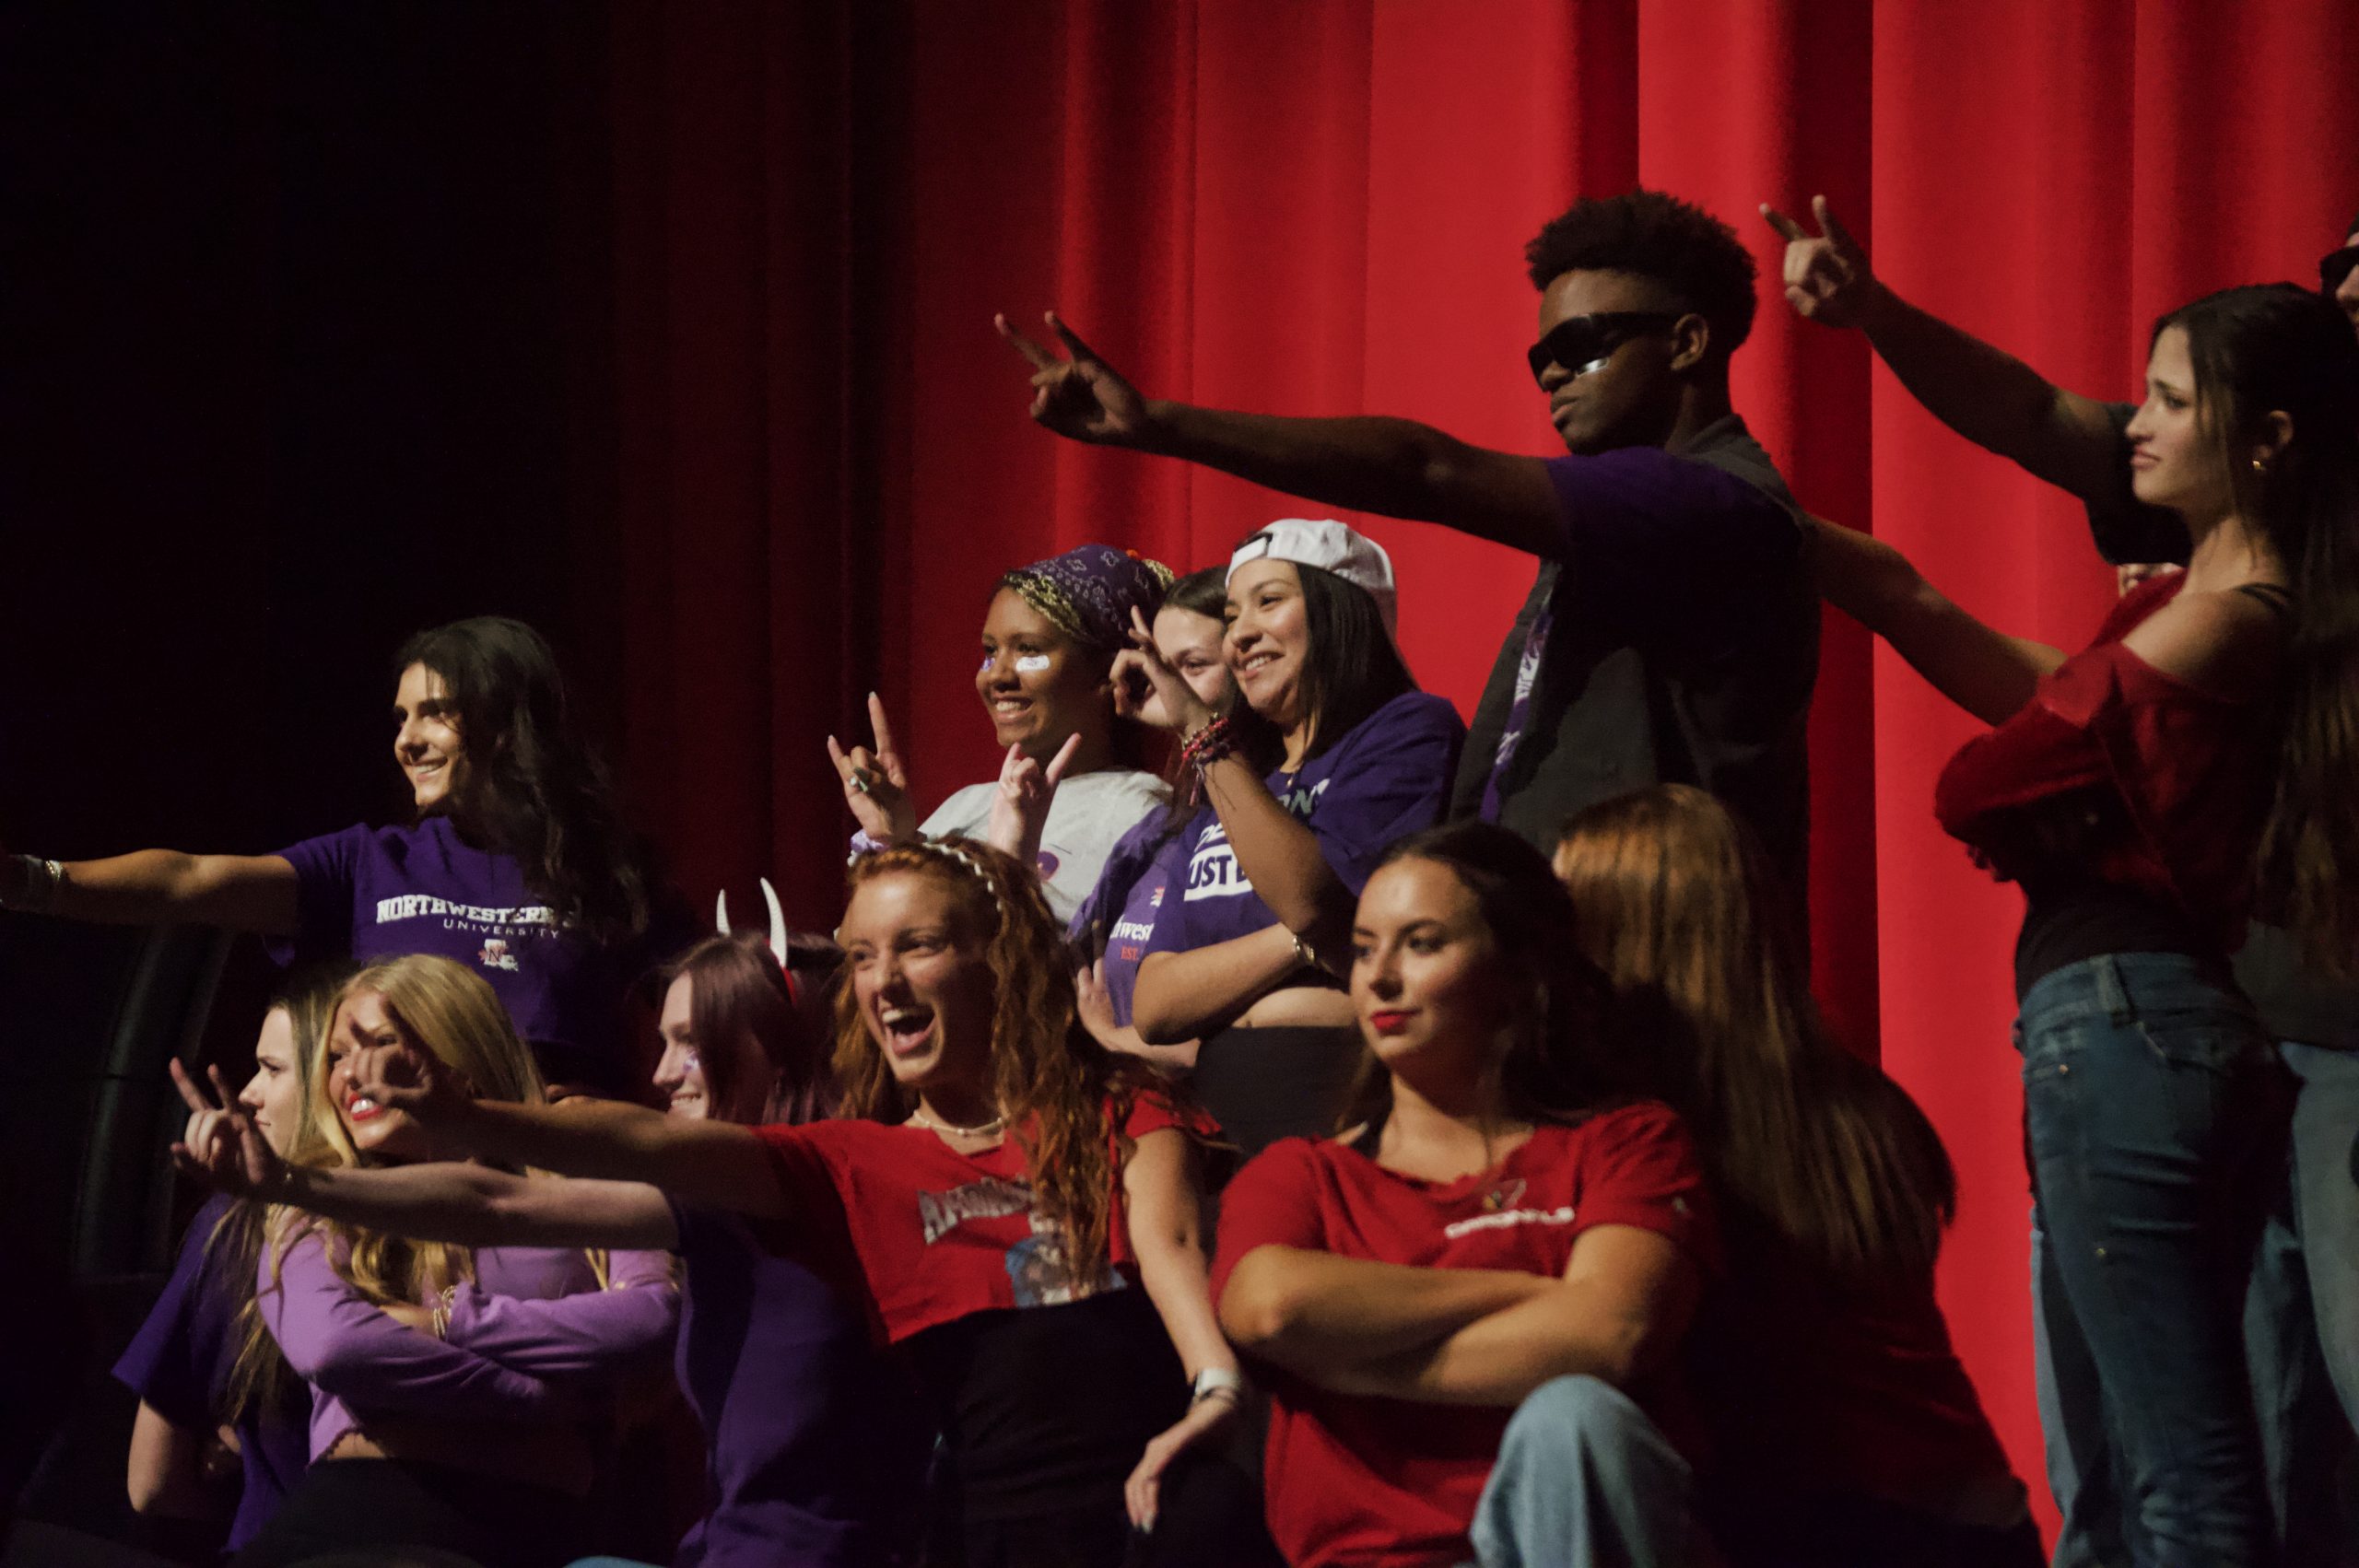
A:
[1091,812]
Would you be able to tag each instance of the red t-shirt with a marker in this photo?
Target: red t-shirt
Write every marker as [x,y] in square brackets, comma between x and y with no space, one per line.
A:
[1363,1480]
[935,1234]
[1817,1385]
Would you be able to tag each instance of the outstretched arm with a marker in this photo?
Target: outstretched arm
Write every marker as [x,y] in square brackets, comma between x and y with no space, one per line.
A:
[243,893]
[1393,467]
[1985,672]
[1982,392]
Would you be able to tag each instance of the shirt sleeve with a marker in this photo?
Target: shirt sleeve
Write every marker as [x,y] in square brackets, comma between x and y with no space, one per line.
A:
[2125,528]
[1273,1201]
[588,1334]
[327,873]
[342,1345]
[1391,779]
[1641,524]
[1641,1170]
[173,1361]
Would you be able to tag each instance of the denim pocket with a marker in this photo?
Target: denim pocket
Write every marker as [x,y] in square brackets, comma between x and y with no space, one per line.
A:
[2215,1040]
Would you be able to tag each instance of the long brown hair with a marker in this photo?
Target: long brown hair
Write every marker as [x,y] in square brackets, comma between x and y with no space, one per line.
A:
[1064,1096]
[739,993]
[2282,348]
[1675,901]
[1552,1063]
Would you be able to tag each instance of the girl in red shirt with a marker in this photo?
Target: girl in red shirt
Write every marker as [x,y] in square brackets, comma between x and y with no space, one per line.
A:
[1468,1301]
[2209,731]
[1844,1432]
[1014,1206]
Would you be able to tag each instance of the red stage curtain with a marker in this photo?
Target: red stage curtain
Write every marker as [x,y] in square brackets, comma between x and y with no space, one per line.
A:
[822,460]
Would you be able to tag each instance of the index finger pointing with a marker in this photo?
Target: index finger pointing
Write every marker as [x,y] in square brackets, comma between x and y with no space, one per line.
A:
[1041,359]
[1063,759]
[1784,226]
[876,721]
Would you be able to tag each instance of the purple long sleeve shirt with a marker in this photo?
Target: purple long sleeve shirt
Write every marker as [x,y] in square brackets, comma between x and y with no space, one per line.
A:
[533,1319]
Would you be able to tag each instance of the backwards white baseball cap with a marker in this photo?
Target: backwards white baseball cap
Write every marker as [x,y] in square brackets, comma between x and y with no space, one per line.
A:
[1332,548]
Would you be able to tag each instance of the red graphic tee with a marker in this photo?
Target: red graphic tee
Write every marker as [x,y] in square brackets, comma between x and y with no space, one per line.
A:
[933,1235]
[1357,1479]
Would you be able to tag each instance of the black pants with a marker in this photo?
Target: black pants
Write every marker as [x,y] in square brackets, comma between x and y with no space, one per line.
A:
[400,1514]
[1758,1531]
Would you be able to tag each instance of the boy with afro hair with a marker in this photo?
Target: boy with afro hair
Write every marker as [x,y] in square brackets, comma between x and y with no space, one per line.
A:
[1672,632]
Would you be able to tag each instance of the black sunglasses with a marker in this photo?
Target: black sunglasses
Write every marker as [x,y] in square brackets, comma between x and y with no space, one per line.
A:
[1581,343]
[2334,266]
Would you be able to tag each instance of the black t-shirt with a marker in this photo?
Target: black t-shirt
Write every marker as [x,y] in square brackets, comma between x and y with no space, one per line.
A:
[1681,647]
[2295,1003]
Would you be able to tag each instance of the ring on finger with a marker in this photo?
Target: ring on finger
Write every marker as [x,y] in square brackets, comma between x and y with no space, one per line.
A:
[859,781]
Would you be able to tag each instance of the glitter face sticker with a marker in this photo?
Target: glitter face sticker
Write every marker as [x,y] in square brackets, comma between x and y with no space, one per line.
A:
[1032,664]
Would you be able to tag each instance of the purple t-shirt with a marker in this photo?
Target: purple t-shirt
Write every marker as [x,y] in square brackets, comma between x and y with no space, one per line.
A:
[1672,636]
[815,1442]
[1118,917]
[180,1363]
[1385,778]
[380,891]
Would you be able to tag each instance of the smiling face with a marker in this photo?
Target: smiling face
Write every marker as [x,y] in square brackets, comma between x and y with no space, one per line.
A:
[1036,686]
[427,742]
[920,982]
[275,1094]
[1190,644]
[679,1075]
[1268,641]
[1633,398]
[364,1020]
[1432,992]
[2174,460]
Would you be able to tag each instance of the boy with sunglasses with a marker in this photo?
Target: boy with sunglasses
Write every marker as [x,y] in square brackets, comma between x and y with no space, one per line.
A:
[1672,631]
[2302,1316]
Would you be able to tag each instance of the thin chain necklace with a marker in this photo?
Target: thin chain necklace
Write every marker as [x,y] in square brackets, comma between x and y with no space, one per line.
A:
[981,1130]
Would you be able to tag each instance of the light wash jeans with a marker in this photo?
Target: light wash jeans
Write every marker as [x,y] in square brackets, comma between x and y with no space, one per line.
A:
[2153,1121]
[1585,1480]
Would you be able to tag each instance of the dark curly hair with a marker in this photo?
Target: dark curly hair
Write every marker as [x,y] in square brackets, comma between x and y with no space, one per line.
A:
[1676,243]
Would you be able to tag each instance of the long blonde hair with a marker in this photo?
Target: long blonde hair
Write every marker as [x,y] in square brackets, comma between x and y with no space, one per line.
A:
[441,1006]
[259,1374]
[1817,1149]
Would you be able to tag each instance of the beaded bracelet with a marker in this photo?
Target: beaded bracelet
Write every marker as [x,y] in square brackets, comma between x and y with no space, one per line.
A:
[1207,745]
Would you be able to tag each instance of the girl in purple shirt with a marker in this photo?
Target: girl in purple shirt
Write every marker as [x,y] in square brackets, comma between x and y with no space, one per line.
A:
[490,1458]
[515,863]
[1247,947]
[814,1441]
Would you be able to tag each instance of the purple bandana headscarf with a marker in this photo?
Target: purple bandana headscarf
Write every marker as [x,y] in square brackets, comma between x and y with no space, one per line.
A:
[1089,593]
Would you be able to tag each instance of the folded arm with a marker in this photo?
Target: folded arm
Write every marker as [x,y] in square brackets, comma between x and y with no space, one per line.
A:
[1331,1319]
[1182,996]
[344,1345]
[588,1334]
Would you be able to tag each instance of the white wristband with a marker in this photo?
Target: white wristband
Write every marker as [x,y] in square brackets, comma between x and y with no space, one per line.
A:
[1212,1379]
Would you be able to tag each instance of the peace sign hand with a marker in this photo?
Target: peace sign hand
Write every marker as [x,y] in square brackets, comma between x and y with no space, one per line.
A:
[222,1147]
[1081,395]
[876,786]
[1827,276]
[1020,804]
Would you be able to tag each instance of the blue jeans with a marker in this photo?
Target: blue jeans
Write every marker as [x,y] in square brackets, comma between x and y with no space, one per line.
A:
[2302,1319]
[1585,1480]
[2153,1118]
